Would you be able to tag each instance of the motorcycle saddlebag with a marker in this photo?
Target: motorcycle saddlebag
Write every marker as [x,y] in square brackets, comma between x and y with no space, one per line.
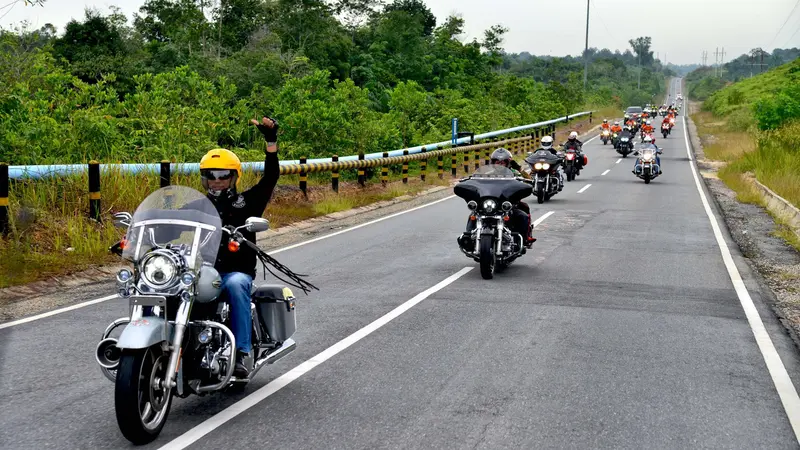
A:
[585,160]
[276,311]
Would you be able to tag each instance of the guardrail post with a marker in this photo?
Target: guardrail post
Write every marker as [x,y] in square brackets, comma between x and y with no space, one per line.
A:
[453,164]
[362,179]
[440,165]
[385,171]
[590,117]
[4,223]
[466,162]
[488,151]
[477,158]
[405,167]
[335,175]
[94,190]
[165,175]
[304,178]
[423,166]
[567,121]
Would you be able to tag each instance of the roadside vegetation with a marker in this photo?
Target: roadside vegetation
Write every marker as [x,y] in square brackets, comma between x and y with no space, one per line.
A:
[753,126]
[180,78]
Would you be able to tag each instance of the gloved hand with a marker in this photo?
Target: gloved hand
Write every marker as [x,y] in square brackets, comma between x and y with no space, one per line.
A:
[515,165]
[268,127]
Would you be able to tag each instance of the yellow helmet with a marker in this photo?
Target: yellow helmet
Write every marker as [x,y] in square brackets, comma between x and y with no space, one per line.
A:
[220,159]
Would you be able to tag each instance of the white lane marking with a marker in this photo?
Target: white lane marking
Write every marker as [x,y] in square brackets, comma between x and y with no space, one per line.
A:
[780,377]
[686,137]
[541,219]
[299,244]
[56,311]
[590,140]
[584,188]
[618,161]
[277,384]
[609,170]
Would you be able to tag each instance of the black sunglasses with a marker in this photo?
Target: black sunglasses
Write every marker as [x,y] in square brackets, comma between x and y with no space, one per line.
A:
[211,174]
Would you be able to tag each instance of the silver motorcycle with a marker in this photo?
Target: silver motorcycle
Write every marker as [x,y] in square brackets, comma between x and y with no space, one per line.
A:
[176,339]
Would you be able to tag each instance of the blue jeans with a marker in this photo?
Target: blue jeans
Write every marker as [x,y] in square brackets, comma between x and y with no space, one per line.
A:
[236,287]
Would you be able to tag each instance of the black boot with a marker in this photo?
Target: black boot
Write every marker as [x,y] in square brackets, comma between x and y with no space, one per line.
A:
[242,368]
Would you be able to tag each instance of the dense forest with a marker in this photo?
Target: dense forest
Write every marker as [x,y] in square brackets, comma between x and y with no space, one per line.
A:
[341,76]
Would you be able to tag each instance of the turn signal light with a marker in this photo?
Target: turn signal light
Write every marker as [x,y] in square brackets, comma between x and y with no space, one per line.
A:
[123,243]
[233,246]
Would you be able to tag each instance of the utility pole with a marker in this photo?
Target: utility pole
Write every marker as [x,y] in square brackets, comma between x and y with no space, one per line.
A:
[722,63]
[639,83]
[586,50]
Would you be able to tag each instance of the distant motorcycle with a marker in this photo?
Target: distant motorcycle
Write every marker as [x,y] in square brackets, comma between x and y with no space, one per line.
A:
[544,174]
[605,136]
[625,146]
[573,163]
[491,193]
[665,129]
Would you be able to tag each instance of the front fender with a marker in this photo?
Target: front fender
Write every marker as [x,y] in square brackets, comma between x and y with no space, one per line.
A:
[144,333]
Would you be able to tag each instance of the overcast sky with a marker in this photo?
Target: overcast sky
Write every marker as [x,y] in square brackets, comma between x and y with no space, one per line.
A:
[557,27]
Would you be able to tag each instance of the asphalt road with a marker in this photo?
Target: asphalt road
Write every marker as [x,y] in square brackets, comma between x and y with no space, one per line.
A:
[620,329]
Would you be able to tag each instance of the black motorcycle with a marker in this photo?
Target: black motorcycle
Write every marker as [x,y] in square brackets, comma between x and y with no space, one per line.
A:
[544,174]
[625,145]
[491,193]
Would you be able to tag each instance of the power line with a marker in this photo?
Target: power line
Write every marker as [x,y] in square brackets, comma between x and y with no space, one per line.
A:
[784,23]
[9,9]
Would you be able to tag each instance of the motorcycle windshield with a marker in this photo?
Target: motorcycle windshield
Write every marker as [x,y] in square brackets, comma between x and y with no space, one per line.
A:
[541,156]
[493,171]
[178,217]
[648,154]
[493,181]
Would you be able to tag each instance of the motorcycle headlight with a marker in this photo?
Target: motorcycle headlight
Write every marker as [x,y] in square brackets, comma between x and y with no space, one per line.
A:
[124,275]
[489,205]
[647,156]
[472,205]
[159,271]
[537,166]
[546,166]
[507,206]
[187,278]
[624,139]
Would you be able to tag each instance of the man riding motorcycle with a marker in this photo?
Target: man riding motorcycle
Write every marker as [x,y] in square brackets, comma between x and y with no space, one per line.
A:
[605,125]
[616,128]
[625,133]
[220,172]
[647,128]
[577,145]
[520,213]
[547,145]
[648,142]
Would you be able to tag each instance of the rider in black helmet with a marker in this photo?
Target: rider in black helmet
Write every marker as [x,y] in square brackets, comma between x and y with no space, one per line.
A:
[521,214]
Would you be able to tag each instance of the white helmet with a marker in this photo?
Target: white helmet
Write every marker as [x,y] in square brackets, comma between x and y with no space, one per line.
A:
[648,139]
[616,122]
[648,122]
[573,135]
[547,141]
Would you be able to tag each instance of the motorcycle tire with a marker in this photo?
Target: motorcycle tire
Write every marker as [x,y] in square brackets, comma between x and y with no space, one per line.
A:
[540,195]
[129,386]
[487,257]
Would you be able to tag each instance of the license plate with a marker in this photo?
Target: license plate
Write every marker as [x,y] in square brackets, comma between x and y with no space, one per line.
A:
[148,300]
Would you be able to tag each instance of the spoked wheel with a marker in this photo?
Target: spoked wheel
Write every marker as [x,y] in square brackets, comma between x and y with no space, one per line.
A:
[487,257]
[140,401]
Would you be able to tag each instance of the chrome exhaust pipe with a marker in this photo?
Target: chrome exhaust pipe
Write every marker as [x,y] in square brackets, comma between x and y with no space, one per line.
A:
[287,347]
[108,354]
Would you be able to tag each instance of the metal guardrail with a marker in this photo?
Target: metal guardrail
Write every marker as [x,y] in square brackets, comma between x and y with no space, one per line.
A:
[303,167]
[38,171]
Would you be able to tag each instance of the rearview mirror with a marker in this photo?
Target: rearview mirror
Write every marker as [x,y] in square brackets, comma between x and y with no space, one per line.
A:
[257,224]
[122,220]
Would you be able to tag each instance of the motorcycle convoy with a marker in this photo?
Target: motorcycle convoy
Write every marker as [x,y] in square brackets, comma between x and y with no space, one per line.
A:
[177,338]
